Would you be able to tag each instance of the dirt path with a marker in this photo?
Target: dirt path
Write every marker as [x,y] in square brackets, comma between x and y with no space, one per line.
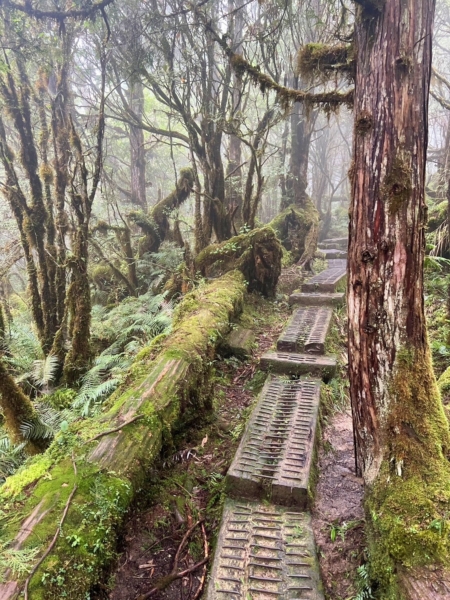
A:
[338,516]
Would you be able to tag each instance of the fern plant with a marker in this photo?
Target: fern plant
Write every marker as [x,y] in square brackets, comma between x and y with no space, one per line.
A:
[11,456]
[124,330]
[48,422]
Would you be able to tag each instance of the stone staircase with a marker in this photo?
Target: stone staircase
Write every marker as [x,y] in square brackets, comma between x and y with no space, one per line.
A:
[266,548]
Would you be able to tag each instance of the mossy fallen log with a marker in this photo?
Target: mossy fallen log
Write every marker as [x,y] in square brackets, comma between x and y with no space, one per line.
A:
[297,229]
[92,472]
[256,254]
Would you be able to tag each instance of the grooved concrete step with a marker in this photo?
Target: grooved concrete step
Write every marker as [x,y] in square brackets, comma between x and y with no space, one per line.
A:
[274,458]
[264,553]
[326,281]
[288,363]
[317,299]
[306,331]
[341,243]
[331,253]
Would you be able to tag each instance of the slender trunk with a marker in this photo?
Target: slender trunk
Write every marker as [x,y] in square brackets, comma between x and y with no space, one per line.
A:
[302,124]
[137,149]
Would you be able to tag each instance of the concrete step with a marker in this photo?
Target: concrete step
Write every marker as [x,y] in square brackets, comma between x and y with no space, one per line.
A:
[264,552]
[273,461]
[341,243]
[317,299]
[331,253]
[327,280]
[289,363]
[306,331]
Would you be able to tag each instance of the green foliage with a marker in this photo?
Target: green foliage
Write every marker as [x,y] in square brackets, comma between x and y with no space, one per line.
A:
[47,424]
[11,456]
[363,584]
[125,329]
[20,562]
[156,266]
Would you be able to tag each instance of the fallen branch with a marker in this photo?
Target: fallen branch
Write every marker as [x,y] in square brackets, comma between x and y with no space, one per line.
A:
[164,582]
[203,578]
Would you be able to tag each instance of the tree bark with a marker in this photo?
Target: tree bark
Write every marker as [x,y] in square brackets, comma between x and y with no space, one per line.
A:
[401,432]
[387,220]
[137,149]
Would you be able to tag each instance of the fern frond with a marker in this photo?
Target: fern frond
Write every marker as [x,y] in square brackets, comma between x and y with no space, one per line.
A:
[44,370]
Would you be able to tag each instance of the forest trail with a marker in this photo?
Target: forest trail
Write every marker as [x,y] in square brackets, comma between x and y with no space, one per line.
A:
[266,547]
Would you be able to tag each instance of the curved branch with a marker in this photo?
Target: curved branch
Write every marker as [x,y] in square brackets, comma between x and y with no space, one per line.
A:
[83,13]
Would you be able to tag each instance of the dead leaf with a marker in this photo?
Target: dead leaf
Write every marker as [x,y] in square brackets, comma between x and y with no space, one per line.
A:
[204,440]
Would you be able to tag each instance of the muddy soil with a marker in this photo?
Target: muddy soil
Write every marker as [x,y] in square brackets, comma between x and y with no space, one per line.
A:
[338,515]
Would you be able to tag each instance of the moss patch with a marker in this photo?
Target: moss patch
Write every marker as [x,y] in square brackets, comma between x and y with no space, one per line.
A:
[409,505]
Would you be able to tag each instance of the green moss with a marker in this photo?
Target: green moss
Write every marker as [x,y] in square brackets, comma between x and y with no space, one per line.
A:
[256,254]
[32,470]
[444,382]
[409,504]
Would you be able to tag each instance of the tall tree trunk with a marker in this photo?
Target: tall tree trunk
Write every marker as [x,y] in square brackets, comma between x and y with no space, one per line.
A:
[137,149]
[401,432]
[302,125]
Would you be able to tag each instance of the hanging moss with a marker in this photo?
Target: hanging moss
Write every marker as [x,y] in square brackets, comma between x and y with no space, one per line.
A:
[316,60]
[409,504]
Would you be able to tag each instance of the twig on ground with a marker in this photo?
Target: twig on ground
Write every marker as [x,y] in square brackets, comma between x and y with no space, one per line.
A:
[164,582]
[108,431]
[203,577]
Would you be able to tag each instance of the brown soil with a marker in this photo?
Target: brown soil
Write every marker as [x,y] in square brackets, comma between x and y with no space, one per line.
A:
[338,516]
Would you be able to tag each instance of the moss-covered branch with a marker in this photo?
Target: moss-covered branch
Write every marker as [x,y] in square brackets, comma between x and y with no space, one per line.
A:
[329,101]
[297,230]
[169,385]
[156,225]
[256,254]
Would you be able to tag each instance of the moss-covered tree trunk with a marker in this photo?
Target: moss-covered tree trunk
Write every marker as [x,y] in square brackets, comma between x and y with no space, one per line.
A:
[401,433]
[17,410]
[256,254]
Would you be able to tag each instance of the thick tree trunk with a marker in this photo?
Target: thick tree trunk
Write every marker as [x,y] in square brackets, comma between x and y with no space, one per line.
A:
[17,409]
[387,218]
[401,432]
[256,254]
